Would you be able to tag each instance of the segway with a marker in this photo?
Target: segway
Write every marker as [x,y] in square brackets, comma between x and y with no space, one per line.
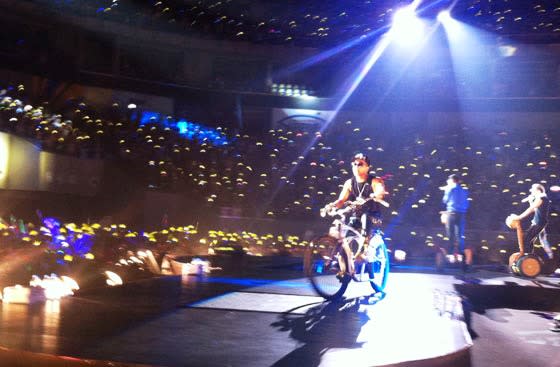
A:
[527,265]
[548,265]
[520,263]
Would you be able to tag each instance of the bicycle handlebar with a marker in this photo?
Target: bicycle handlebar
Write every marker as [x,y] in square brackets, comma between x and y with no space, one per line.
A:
[332,211]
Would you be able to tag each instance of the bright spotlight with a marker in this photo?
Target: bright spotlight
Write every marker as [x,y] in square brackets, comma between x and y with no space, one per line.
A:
[4,157]
[403,17]
[507,50]
[407,27]
[444,16]
[400,255]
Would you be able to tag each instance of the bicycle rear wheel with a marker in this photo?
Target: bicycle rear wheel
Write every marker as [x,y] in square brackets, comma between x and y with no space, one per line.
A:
[378,267]
[327,271]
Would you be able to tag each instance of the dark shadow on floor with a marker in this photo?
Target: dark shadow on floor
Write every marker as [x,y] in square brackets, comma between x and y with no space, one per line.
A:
[510,295]
[329,325]
[494,300]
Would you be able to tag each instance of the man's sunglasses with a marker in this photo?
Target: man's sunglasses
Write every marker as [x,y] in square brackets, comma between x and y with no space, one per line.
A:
[358,164]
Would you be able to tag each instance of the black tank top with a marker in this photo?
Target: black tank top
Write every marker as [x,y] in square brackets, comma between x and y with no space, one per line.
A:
[541,213]
[364,190]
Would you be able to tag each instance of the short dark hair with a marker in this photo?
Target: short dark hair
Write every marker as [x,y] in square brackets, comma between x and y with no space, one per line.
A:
[454,177]
[361,156]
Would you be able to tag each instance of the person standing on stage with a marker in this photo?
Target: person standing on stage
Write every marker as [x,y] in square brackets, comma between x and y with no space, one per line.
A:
[456,201]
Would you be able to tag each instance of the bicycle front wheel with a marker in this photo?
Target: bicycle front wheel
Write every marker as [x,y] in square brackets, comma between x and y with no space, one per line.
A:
[327,272]
[379,264]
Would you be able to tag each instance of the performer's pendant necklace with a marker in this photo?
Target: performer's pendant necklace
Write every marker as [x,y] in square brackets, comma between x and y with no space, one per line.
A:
[358,189]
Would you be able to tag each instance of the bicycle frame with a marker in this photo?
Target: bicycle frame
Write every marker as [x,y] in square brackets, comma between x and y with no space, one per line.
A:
[333,257]
[344,240]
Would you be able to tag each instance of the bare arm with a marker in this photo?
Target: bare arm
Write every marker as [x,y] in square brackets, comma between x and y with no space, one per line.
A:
[378,188]
[531,209]
[344,194]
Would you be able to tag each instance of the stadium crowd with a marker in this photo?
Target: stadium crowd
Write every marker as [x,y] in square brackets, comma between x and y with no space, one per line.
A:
[313,23]
[289,173]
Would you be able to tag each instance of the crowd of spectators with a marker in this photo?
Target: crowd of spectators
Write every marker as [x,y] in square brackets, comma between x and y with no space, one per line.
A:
[289,173]
[47,245]
[313,23]
[107,242]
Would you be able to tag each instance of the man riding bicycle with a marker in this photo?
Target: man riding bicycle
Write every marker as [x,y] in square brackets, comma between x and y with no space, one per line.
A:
[368,190]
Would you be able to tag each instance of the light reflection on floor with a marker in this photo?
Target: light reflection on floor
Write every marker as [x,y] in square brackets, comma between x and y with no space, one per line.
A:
[32,327]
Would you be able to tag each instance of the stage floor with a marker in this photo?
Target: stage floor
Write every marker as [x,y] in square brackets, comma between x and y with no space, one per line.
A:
[261,320]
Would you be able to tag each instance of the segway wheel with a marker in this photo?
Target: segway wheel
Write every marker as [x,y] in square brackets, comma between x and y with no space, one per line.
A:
[529,266]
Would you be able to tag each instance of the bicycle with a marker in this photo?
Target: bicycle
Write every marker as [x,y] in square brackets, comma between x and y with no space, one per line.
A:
[330,270]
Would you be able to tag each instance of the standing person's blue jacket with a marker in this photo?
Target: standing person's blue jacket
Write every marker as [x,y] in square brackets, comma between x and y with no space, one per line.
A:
[456,199]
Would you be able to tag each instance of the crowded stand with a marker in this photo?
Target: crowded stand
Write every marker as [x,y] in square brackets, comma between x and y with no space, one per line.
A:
[289,173]
[314,23]
[106,246]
